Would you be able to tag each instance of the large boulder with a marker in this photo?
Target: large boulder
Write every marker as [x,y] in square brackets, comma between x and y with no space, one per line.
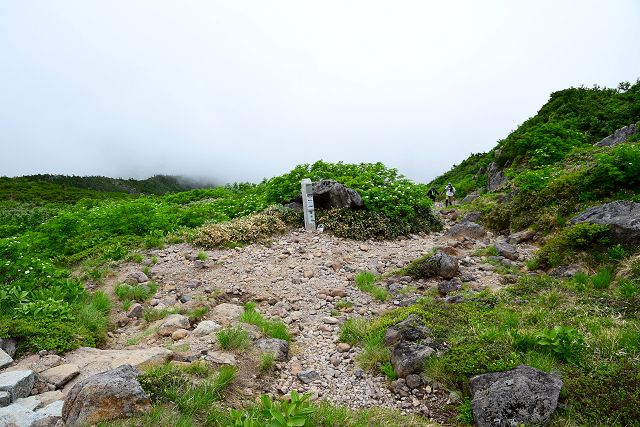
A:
[106,396]
[408,357]
[523,395]
[618,137]
[329,194]
[495,177]
[467,229]
[439,265]
[410,329]
[622,216]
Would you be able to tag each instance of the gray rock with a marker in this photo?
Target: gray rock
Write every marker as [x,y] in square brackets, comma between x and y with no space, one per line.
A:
[221,358]
[495,177]
[414,381]
[5,398]
[135,310]
[408,357]
[279,348]
[206,327]
[308,376]
[467,229]
[521,236]
[17,383]
[622,216]
[523,395]
[8,345]
[329,194]
[566,271]
[5,359]
[447,286]
[60,375]
[472,216]
[172,323]
[410,329]
[471,196]
[136,277]
[106,396]
[227,312]
[440,264]
[506,250]
[618,137]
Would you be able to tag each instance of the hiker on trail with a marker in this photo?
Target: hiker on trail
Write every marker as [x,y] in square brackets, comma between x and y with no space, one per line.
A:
[450,192]
[432,194]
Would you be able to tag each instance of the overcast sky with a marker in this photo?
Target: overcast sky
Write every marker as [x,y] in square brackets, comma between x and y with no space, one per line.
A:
[240,90]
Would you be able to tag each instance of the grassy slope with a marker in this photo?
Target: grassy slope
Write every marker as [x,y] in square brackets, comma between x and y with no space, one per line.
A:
[588,327]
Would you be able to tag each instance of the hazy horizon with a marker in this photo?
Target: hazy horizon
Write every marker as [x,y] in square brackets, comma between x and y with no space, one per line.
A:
[238,92]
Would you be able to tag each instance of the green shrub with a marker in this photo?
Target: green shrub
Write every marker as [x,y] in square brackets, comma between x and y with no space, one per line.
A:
[563,247]
[602,279]
[140,293]
[270,328]
[266,362]
[253,228]
[233,338]
[387,369]
[366,283]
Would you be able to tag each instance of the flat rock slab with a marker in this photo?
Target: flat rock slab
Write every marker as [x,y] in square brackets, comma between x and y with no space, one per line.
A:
[17,383]
[226,312]
[17,415]
[60,375]
[221,358]
[91,361]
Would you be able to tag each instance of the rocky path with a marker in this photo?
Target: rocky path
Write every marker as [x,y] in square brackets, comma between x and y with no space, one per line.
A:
[298,279]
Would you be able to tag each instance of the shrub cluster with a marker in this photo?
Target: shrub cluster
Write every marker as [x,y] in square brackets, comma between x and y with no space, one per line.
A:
[257,227]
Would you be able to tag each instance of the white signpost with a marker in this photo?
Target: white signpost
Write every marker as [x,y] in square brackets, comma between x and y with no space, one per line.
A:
[307,205]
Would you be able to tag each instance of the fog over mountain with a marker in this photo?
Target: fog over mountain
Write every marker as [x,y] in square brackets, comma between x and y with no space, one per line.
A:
[238,91]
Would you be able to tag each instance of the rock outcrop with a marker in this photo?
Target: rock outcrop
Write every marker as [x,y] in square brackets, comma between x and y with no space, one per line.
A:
[524,395]
[106,396]
[329,194]
[623,217]
[618,137]
[495,177]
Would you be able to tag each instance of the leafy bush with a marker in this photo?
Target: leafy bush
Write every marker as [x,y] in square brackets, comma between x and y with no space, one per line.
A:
[562,247]
[364,225]
[281,413]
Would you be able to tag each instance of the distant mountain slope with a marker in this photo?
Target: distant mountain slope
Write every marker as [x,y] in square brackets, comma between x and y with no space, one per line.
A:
[571,120]
[64,188]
